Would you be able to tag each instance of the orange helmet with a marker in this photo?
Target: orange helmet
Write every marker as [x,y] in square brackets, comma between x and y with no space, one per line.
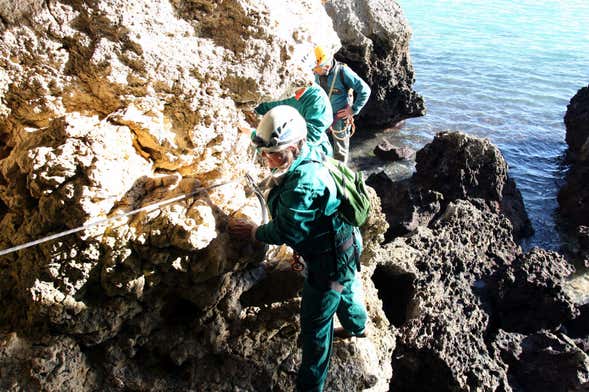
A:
[320,55]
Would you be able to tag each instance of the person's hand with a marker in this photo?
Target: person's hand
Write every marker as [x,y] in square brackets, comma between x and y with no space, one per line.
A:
[242,229]
[344,113]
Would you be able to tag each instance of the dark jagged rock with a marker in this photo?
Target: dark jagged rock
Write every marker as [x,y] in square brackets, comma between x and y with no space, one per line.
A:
[453,167]
[463,167]
[528,295]
[573,197]
[455,288]
[583,232]
[583,239]
[576,121]
[385,150]
[459,277]
[375,37]
[579,326]
[405,208]
[543,362]
[442,328]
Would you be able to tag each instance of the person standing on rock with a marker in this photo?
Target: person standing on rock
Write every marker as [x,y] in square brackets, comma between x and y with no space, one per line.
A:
[348,94]
[303,206]
[309,99]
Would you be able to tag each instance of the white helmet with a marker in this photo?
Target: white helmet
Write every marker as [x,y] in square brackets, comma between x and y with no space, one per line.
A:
[281,126]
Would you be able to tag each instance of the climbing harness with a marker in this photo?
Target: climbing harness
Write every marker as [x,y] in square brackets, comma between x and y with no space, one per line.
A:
[86,226]
[342,134]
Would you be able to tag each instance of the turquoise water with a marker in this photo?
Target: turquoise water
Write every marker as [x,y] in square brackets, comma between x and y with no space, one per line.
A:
[505,71]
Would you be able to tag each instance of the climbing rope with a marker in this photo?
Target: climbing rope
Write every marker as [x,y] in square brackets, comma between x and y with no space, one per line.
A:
[86,226]
[343,133]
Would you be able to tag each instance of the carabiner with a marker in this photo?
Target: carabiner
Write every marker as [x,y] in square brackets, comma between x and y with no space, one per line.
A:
[296,263]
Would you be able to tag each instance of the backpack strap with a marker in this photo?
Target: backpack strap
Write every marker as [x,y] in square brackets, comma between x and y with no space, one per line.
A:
[336,70]
[341,75]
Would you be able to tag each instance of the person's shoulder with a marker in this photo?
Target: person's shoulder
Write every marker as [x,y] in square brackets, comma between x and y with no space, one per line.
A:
[312,173]
[315,93]
[314,89]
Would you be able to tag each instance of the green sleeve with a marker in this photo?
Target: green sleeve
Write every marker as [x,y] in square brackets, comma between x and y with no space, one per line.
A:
[292,218]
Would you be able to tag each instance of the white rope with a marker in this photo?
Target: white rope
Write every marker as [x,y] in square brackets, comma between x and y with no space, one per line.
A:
[150,207]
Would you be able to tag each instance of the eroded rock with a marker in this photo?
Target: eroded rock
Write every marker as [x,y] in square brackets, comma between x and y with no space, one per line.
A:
[528,294]
[52,364]
[441,318]
[120,118]
[543,361]
[454,166]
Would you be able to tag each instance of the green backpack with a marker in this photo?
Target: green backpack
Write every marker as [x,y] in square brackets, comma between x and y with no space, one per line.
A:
[351,190]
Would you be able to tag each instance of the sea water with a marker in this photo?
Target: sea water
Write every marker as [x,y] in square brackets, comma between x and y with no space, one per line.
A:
[505,71]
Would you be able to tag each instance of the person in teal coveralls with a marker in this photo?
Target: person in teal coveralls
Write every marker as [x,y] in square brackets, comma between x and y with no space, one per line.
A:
[337,79]
[303,206]
[312,103]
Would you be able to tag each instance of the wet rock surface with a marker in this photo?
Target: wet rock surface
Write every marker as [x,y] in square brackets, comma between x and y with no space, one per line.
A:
[375,44]
[573,197]
[385,150]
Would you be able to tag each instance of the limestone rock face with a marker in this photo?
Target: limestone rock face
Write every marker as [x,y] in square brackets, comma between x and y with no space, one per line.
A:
[119,122]
[375,44]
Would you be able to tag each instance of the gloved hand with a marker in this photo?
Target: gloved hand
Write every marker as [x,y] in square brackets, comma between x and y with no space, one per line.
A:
[242,229]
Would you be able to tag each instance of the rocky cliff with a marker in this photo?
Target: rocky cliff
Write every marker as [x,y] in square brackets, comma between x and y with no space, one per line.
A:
[107,108]
[472,311]
[119,118]
[573,197]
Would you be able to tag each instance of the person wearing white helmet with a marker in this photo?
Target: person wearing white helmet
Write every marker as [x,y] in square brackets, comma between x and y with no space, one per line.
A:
[303,208]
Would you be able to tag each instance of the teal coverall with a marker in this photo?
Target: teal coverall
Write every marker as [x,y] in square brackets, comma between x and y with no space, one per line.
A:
[304,216]
[314,106]
[345,79]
